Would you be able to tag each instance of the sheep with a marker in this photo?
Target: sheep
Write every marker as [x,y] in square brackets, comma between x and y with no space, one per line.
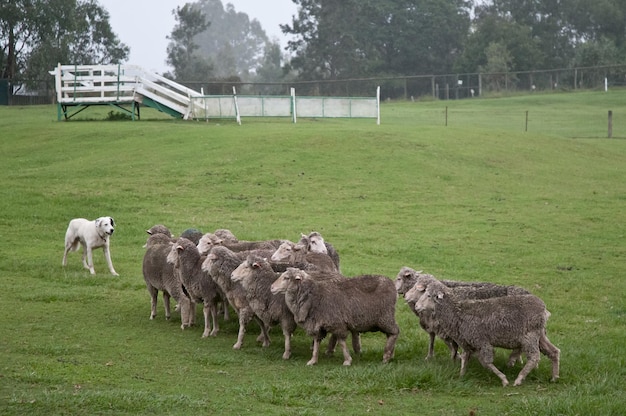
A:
[362,304]
[219,264]
[256,275]
[159,275]
[187,262]
[299,256]
[226,236]
[406,281]
[210,240]
[315,243]
[192,234]
[512,322]
[159,229]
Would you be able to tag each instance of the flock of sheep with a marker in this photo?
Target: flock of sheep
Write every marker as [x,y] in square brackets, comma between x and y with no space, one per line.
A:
[278,282]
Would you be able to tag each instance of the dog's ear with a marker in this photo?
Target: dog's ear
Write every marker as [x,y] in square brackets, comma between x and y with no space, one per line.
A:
[112,221]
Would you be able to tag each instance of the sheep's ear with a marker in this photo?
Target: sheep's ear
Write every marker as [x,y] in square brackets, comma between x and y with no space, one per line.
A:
[148,231]
[439,295]
[298,247]
[180,248]
[256,265]
[297,277]
[420,287]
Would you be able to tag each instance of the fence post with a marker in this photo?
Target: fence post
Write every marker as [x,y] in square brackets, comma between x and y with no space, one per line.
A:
[526,127]
[610,124]
[432,86]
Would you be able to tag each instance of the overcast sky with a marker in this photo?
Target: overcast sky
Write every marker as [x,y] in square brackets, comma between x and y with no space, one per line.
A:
[144,24]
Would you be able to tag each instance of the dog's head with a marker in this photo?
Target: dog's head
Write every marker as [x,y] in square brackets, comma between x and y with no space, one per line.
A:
[106,225]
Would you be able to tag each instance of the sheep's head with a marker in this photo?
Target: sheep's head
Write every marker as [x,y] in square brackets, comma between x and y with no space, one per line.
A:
[207,242]
[172,256]
[159,229]
[291,276]
[283,252]
[405,279]
[434,293]
[316,243]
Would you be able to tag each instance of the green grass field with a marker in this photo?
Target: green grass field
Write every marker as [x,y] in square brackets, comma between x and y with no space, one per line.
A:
[480,199]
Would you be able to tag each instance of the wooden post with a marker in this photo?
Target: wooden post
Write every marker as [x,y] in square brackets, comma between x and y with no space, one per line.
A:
[432,86]
[526,127]
[610,124]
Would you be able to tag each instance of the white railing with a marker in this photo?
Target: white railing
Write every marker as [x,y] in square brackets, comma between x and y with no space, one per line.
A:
[119,84]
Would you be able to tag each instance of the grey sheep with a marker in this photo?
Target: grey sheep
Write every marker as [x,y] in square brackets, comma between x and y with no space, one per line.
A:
[316,244]
[512,322]
[219,264]
[298,255]
[159,275]
[360,304]
[406,281]
[187,262]
[210,240]
[226,236]
[159,229]
[192,234]
[257,276]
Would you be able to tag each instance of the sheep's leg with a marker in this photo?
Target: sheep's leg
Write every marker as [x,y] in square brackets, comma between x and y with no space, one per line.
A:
[356,342]
[465,356]
[154,294]
[241,333]
[166,304]
[185,313]
[532,355]
[316,351]
[226,311]
[192,313]
[347,360]
[287,335]
[431,346]
[210,312]
[332,344]
[553,353]
[515,356]
[264,336]
[214,318]
[390,346]
[485,356]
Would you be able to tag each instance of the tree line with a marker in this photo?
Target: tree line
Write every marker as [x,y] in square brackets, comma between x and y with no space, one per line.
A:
[329,40]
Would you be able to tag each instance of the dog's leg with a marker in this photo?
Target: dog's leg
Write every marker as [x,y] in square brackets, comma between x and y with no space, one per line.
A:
[67,249]
[107,256]
[89,254]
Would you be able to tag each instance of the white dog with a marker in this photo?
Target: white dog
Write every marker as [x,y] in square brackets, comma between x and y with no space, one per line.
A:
[90,234]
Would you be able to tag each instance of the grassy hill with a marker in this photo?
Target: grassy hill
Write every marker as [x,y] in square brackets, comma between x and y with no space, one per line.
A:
[478,199]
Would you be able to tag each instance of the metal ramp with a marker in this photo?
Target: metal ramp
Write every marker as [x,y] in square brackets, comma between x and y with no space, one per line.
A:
[80,86]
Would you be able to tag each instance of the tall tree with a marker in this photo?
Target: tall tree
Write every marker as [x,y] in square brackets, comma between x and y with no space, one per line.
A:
[182,50]
[36,34]
[235,43]
[355,38]
[489,28]
[546,23]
